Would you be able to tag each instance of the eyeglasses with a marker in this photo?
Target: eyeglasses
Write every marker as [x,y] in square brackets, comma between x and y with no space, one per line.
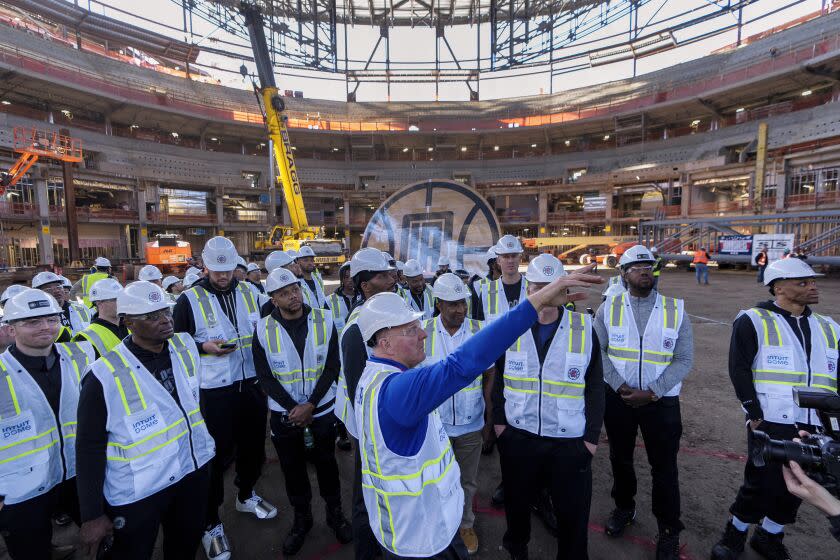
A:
[410,332]
[38,321]
[155,315]
[640,268]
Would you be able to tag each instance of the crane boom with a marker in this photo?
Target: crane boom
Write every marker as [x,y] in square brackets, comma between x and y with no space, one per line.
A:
[276,123]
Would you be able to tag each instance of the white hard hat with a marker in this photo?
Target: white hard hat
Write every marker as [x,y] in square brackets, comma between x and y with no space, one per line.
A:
[241,262]
[10,292]
[277,259]
[636,253]
[170,281]
[141,297]
[544,268]
[388,256]
[449,287]
[788,269]
[101,262]
[370,259]
[400,266]
[382,311]
[294,254]
[30,303]
[491,254]
[190,279]
[412,268]
[104,289]
[65,281]
[279,278]
[443,261]
[306,251]
[654,250]
[46,277]
[219,254]
[252,267]
[193,270]
[149,273]
[614,289]
[508,245]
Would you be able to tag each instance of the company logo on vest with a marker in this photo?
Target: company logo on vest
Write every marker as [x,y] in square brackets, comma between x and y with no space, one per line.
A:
[17,428]
[574,373]
[143,424]
[779,360]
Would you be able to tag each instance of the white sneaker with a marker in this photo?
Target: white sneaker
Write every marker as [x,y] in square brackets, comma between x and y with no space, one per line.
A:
[215,543]
[256,505]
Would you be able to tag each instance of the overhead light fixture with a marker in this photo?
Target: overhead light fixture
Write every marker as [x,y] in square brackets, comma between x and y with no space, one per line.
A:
[262,144]
[473,129]
[6,102]
[638,178]
[533,145]
[495,148]
[214,139]
[463,148]
[430,149]
[132,127]
[335,149]
[695,122]
[413,128]
[405,150]
[606,137]
[294,148]
[568,142]
[175,135]
[806,93]
[739,110]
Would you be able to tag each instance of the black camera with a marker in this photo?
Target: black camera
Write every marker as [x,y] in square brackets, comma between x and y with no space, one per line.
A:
[817,454]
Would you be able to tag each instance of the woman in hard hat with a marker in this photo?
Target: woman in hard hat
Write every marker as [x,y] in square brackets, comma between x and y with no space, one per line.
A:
[410,478]
[38,405]
[143,447]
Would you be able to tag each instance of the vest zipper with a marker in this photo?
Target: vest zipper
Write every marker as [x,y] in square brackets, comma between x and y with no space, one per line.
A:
[641,353]
[189,427]
[807,362]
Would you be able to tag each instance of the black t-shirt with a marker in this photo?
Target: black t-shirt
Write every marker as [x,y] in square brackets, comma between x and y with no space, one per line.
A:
[65,315]
[512,292]
[311,284]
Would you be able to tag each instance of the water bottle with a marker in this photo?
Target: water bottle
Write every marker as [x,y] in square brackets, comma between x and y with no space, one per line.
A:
[308,438]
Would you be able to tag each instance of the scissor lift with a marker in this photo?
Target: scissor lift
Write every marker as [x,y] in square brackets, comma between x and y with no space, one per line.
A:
[33,144]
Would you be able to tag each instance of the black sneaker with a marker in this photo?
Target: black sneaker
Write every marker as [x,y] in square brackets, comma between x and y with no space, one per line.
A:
[301,526]
[668,545]
[339,524]
[619,520]
[731,544]
[769,545]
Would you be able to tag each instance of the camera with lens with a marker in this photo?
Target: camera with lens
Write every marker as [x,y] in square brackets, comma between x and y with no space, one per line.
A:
[817,454]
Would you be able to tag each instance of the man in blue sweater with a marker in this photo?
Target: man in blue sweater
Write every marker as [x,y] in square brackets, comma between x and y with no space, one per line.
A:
[410,479]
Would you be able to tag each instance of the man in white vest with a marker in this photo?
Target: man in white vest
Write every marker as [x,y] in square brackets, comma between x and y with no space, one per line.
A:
[143,447]
[548,410]
[341,300]
[411,480]
[39,397]
[419,295]
[464,413]
[106,330]
[254,277]
[776,346]
[220,314]
[311,283]
[275,260]
[74,316]
[371,275]
[7,333]
[647,349]
[497,296]
[297,361]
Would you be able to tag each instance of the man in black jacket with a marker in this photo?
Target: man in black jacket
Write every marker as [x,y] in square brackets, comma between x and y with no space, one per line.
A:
[775,346]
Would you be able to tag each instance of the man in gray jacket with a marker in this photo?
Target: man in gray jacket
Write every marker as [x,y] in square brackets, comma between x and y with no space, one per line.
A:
[647,348]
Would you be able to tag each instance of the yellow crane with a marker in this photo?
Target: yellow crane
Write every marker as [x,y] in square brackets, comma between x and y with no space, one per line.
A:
[328,252]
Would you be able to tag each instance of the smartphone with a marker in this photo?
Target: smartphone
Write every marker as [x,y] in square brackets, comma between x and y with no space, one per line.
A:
[227,345]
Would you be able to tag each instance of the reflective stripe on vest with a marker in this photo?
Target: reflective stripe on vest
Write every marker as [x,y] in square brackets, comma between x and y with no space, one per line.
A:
[9,407]
[318,333]
[670,320]
[209,315]
[102,338]
[772,336]
[79,360]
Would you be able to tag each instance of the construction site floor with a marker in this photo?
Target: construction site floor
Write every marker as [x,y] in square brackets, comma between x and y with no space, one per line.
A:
[711,459]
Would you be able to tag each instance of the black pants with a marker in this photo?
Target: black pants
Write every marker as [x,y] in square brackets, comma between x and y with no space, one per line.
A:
[177,508]
[365,545]
[27,526]
[763,493]
[661,426]
[455,551]
[288,441]
[235,417]
[530,463]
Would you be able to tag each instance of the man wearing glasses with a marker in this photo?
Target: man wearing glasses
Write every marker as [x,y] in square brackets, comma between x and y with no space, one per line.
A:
[143,447]
[647,349]
[38,402]
[74,317]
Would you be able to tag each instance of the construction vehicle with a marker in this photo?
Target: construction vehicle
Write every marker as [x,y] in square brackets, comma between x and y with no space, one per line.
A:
[300,232]
[603,249]
[168,253]
[33,144]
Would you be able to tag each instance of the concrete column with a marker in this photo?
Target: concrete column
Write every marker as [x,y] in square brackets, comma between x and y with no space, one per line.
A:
[542,209]
[142,220]
[220,214]
[45,248]
[781,188]
[608,213]
[347,221]
[685,201]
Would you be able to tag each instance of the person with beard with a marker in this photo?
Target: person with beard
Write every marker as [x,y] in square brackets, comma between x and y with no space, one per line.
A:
[775,346]
[298,338]
[220,314]
[647,349]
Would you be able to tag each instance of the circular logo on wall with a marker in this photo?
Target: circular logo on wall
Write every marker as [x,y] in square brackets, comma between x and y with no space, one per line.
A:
[433,219]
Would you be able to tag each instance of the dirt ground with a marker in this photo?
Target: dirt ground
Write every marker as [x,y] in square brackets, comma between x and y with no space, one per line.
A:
[711,459]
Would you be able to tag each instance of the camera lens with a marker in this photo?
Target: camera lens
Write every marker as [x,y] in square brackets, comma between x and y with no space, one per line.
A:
[785,451]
